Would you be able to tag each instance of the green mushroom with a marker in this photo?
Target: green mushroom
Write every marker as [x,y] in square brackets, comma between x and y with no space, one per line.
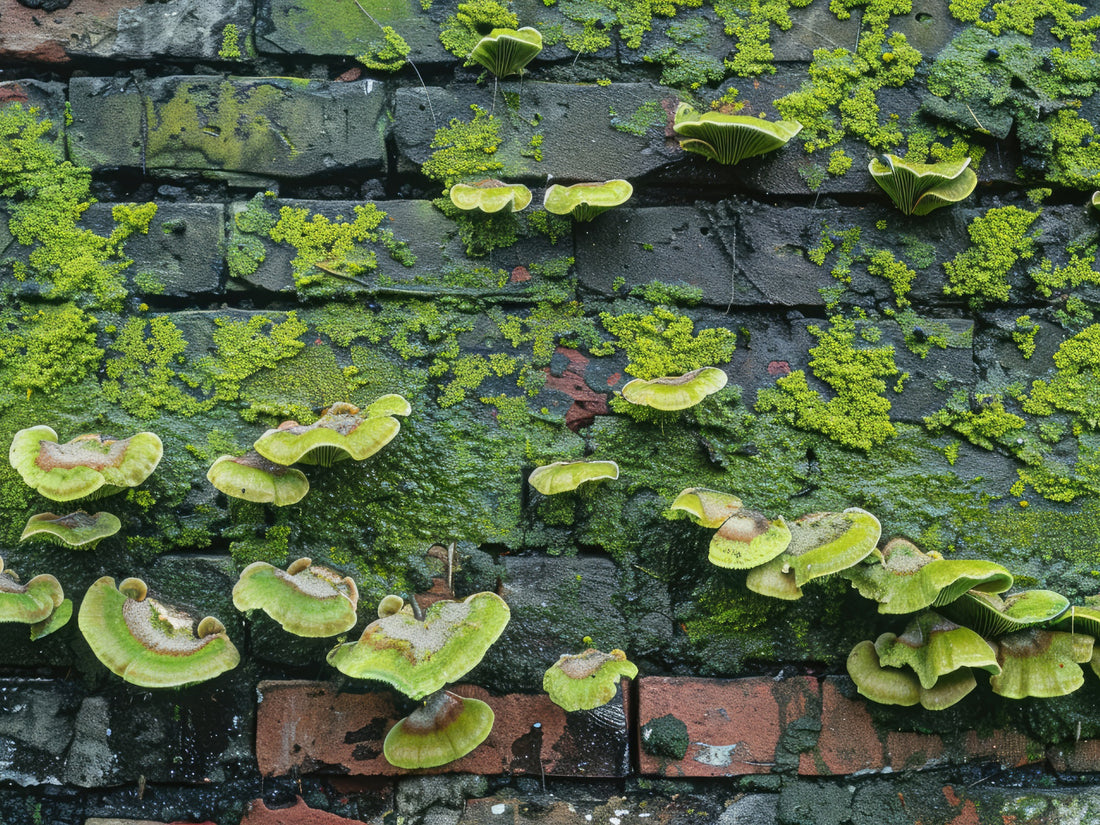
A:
[900,686]
[821,545]
[1094,201]
[747,539]
[729,139]
[88,466]
[306,599]
[1040,663]
[584,201]
[77,529]
[419,656]
[707,508]
[255,478]
[30,603]
[908,580]
[506,52]
[934,647]
[677,392]
[445,728]
[490,196]
[148,643]
[563,476]
[992,616]
[918,188]
[342,432]
[586,680]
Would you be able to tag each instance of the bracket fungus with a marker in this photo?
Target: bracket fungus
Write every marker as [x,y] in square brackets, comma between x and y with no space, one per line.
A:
[584,201]
[1040,663]
[707,508]
[88,466]
[586,680]
[1094,201]
[909,580]
[77,529]
[918,188]
[150,644]
[445,728]
[418,656]
[900,686]
[255,478]
[32,603]
[747,539]
[933,646]
[821,544]
[729,139]
[993,616]
[563,476]
[490,196]
[676,392]
[506,52]
[306,599]
[343,431]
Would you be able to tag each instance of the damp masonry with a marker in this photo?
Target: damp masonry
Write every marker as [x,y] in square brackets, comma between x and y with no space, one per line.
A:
[820,324]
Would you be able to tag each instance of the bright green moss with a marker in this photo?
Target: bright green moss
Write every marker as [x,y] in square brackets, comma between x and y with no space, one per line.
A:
[231,43]
[47,348]
[647,116]
[662,292]
[922,334]
[471,22]
[751,24]
[327,247]
[1024,335]
[988,426]
[663,342]
[389,55]
[1074,150]
[245,347]
[839,163]
[464,150]
[141,369]
[884,265]
[858,416]
[1076,387]
[999,239]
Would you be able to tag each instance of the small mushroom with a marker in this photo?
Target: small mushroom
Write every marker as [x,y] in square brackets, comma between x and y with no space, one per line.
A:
[918,188]
[445,728]
[563,476]
[1040,663]
[729,139]
[707,508]
[342,432]
[992,616]
[490,196]
[28,603]
[88,466]
[306,599]
[677,392]
[150,644]
[586,680]
[57,619]
[584,201]
[420,656]
[933,647]
[73,530]
[747,539]
[255,478]
[505,52]
[900,686]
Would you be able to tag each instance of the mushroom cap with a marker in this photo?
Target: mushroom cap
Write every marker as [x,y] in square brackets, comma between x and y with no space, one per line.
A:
[28,603]
[255,478]
[563,476]
[730,139]
[445,728]
[76,529]
[1080,619]
[909,580]
[389,404]
[57,619]
[505,52]
[885,685]
[707,508]
[991,616]
[933,647]
[586,680]
[677,392]
[773,579]
[87,465]
[584,201]
[147,643]
[419,657]
[1040,663]
[342,432]
[747,539]
[918,188]
[490,196]
[307,600]
[826,543]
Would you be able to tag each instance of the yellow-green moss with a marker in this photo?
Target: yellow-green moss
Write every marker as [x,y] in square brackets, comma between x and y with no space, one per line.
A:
[1076,387]
[245,347]
[1077,272]
[142,370]
[231,43]
[47,348]
[464,150]
[473,20]
[998,239]
[663,342]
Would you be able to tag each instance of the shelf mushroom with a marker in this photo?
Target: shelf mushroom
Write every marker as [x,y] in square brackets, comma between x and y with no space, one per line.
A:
[505,52]
[79,529]
[563,476]
[707,508]
[729,139]
[586,680]
[918,188]
[445,728]
[490,196]
[746,539]
[1040,663]
[255,478]
[676,392]
[40,603]
[584,201]
[343,431]
[306,600]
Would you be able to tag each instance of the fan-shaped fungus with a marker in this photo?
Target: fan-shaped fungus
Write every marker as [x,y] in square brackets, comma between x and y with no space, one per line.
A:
[918,188]
[342,432]
[933,647]
[255,478]
[563,476]
[445,728]
[729,139]
[490,196]
[306,599]
[707,508]
[677,392]
[77,529]
[584,201]
[28,603]
[991,616]
[586,680]
[1040,663]
[505,52]
[747,539]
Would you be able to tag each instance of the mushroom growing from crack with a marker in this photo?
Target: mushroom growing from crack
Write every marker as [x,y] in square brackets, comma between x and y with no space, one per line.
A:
[934,647]
[419,653]
[306,599]
[897,686]
[148,643]
[584,201]
[255,478]
[343,431]
[677,392]
[79,529]
[490,196]
[88,466]
[729,139]
[707,508]
[586,680]
[918,188]
[506,52]
[563,476]
[40,603]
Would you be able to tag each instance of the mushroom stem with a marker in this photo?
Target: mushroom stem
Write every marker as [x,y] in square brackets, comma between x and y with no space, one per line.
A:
[418,612]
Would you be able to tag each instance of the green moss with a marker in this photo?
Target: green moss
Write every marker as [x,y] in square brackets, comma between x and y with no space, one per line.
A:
[750,23]
[142,370]
[662,292]
[839,163]
[231,43]
[387,55]
[464,150]
[1075,314]
[1024,335]
[472,21]
[858,416]
[327,247]
[45,349]
[1074,149]
[663,342]
[884,265]
[243,348]
[1077,272]
[922,334]
[999,239]
[988,426]
[1076,387]
[648,115]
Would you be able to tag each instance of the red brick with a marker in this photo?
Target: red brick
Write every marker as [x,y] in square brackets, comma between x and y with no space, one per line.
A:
[1079,757]
[848,740]
[308,727]
[733,725]
[587,404]
[46,40]
[297,814]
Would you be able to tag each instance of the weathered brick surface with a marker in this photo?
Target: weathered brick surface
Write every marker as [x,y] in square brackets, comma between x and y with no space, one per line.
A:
[307,727]
[258,813]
